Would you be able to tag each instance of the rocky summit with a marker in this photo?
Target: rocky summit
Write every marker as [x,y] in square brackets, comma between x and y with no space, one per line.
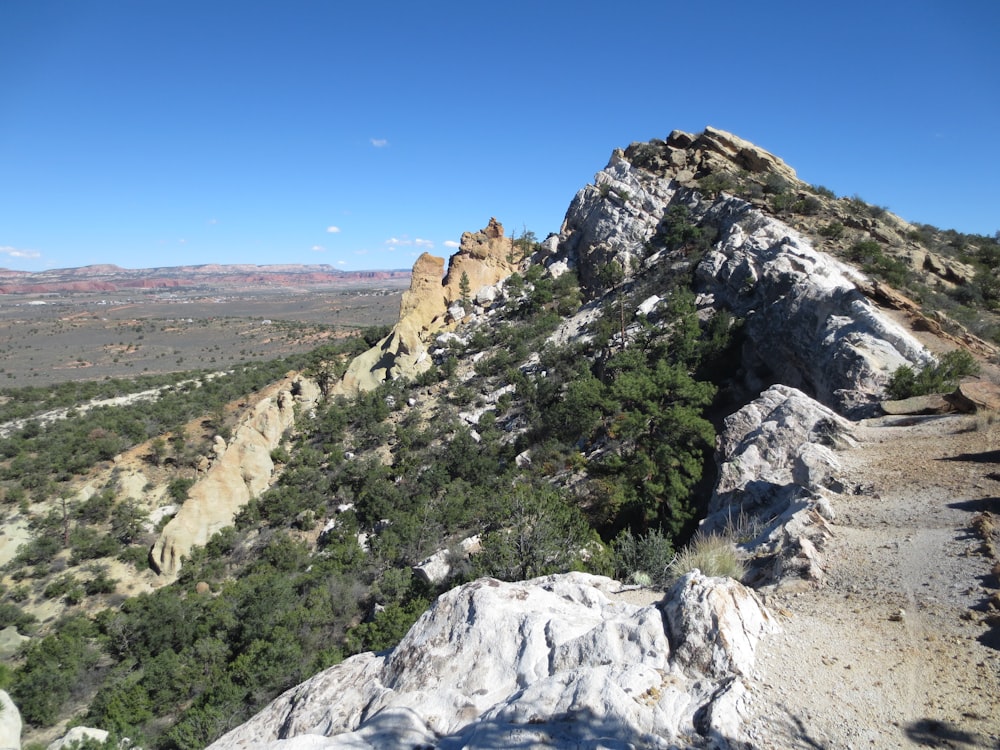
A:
[584,661]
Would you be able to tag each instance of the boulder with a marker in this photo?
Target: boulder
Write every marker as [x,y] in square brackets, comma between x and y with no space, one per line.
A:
[934,403]
[570,660]
[714,625]
[973,396]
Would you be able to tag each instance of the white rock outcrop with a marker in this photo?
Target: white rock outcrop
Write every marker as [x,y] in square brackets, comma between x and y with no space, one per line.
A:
[10,723]
[561,661]
[807,323]
[778,472]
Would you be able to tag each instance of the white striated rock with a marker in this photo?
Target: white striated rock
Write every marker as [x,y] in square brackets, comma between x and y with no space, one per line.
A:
[10,723]
[715,624]
[560,661]
[807,323]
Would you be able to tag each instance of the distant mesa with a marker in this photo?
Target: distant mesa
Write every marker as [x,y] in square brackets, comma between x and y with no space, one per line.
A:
[112,278]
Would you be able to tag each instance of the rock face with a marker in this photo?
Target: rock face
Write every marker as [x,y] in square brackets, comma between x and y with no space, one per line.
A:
[242,470]
[560,661]
[778,473]
[10,723]
[483,259]
[807,323]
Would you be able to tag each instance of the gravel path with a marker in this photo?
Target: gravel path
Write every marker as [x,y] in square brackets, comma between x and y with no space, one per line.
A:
[892,652]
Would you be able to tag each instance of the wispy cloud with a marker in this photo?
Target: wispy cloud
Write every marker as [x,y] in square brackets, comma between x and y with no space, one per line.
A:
[451,243]
[423,243]
[318,249]
[397,242]
[213,222]
[333,230]
[378,142]
[14,252]
[341,262]
[361,252]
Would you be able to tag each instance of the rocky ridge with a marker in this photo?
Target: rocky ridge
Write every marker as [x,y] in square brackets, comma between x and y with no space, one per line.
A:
[241,470]
[474,671]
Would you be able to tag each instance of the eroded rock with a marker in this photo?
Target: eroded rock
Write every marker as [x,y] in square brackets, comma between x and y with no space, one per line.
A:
[563,661]
[242,471]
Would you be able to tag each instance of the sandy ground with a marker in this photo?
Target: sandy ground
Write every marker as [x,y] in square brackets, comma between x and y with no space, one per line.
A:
[894,651]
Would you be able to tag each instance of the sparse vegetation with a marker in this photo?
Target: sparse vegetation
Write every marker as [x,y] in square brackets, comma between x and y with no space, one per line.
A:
[935,378]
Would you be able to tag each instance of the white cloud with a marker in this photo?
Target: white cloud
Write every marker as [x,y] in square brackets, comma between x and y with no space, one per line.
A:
[423,243]
[379,142]
[451,243]
[213,222]
[361,252]
[396,241]
[14,252]
[318,249]
[333,230]
[341,262]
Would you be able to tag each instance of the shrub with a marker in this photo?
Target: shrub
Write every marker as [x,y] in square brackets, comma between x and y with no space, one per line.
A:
[937,378]
[644,559]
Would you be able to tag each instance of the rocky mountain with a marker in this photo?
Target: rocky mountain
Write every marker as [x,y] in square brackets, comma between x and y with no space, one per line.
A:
[681,388]
[577,661]
[111,278]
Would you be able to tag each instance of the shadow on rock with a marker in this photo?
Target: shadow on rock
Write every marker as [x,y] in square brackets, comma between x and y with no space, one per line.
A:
[935,733]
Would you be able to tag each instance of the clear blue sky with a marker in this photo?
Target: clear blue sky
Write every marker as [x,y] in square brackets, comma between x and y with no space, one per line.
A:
[167,132]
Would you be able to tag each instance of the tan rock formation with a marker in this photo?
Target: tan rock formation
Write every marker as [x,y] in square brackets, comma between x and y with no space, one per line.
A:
[241,471]
[485,258]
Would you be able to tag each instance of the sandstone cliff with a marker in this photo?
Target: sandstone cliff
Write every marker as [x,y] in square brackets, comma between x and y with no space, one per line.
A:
[484,259]
[242,469]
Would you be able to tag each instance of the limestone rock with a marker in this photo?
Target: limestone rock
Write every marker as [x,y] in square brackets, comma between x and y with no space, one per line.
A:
[761,444]
[777,469]
[807,322]
[559,661]
[10,723]
[243,471]
[714,624]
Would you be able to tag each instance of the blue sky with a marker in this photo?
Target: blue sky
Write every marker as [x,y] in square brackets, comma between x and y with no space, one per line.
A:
[167,132]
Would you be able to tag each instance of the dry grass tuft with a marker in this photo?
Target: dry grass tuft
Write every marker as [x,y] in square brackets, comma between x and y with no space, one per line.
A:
[713,554]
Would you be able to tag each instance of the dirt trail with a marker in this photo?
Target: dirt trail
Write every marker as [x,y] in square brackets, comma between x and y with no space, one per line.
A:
[891,651]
